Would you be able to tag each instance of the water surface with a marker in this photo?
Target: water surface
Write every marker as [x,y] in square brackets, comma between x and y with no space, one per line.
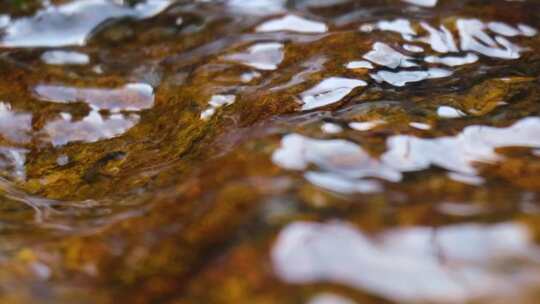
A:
[270,151]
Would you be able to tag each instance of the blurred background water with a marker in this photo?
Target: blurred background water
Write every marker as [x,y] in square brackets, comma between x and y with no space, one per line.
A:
[269,151]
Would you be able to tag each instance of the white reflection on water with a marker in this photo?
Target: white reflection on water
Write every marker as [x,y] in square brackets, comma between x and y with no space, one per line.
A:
[475,144]
[130,97]
[449,112]
[419,125]
[401,78]
[91,128]
[527,30]
[400,25]
[329,91]
[292,23]
[365,125]
[453,264]
[427,3]
[342,184]
[336,156]
[359,64]
[413,48]
[453,60]
[504,29]
[255,7]
[344,166]
[12,161]
[441,40]
[65,58]
[475,38]
[216,102]
[330,298]
[15,126]
[72,23]
[331,128]
[262,56]
[384,55]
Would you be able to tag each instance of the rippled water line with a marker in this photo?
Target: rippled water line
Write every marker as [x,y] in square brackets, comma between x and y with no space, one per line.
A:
[44,208]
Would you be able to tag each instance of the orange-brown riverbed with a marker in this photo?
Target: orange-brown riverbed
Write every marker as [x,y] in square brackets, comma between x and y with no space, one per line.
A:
[269,151]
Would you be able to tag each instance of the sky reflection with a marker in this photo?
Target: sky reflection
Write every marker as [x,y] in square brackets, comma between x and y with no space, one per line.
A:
[452,264]
[72,23]
[344,165]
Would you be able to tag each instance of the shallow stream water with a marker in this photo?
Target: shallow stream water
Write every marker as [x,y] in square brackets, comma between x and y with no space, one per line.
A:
[270,151]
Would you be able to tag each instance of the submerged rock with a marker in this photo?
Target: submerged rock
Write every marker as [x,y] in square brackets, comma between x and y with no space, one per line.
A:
[262,151]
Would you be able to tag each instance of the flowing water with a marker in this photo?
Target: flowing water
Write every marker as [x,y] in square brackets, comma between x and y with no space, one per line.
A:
[269,151]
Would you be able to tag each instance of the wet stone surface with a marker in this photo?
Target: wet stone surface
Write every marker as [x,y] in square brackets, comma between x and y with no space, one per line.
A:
[269,151]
